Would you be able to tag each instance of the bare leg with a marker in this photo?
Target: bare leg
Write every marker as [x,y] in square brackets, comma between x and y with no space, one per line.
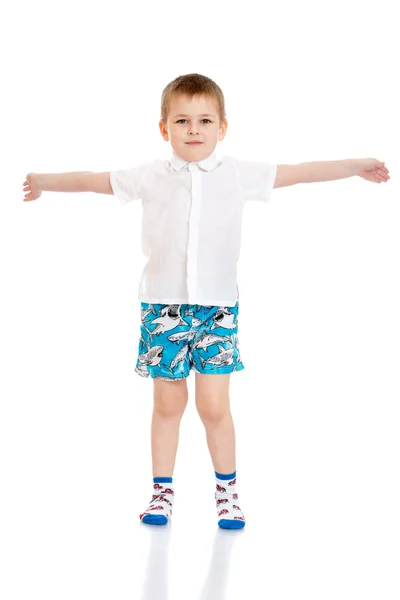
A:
[213,406]
[212,402]
[170,400]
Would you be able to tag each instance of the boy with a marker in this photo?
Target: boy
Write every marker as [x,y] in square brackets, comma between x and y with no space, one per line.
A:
[192,209]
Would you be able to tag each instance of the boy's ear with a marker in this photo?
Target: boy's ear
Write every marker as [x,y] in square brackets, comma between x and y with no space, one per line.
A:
[222,129]
[163,130]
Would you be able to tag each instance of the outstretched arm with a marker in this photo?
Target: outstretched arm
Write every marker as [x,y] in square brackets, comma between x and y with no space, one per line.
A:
[370,169]
[77,181]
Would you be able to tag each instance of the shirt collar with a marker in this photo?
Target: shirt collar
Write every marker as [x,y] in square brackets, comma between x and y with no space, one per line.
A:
[208,164]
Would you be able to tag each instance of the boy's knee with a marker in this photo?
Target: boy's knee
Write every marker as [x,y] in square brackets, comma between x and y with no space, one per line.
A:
[170,398]
[171,407]
[212,409]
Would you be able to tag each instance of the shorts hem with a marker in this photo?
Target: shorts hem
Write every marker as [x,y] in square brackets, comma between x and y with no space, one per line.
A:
[170,378]
[148,375]
[239,367]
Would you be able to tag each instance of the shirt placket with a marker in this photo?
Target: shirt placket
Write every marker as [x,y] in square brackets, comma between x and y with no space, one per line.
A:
[193,241]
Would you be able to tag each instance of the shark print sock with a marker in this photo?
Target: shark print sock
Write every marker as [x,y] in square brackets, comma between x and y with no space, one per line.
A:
[228,510]
[159,510]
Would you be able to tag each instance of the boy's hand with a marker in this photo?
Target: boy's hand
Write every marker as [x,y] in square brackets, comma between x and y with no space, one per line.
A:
[31,188]
[372,169]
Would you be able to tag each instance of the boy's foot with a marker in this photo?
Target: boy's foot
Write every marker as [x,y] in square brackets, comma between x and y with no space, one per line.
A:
[159,510]
[229,513]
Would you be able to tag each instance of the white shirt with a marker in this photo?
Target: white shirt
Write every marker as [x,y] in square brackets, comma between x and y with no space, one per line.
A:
[191,225]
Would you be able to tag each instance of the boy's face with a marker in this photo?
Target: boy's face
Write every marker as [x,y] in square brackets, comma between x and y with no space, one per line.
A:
[179,130]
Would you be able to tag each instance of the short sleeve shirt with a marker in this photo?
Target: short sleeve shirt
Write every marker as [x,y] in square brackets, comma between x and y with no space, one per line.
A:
[192,223]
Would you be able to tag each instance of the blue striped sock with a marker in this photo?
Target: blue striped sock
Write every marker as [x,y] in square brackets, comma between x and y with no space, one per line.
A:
[229,513]
[166,502]
[224,477]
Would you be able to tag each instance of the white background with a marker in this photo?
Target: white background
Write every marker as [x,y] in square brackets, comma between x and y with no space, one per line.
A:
[317,407]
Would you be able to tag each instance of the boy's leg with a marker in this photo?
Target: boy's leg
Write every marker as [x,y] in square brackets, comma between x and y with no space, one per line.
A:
[170,400]
[213,406]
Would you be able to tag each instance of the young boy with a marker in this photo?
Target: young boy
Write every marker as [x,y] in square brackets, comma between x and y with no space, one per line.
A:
[192,211]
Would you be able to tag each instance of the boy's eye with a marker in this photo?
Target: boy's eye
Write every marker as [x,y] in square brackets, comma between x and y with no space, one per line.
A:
[180,120]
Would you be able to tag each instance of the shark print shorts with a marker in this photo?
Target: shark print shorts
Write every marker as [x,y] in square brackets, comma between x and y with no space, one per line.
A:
[178,337]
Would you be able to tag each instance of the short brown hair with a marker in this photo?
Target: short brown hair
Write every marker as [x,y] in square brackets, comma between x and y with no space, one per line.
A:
[191,85]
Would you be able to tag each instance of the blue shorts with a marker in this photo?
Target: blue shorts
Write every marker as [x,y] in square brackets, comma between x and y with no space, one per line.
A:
[176,337]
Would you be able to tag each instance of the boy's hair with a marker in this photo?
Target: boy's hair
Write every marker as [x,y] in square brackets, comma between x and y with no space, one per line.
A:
[191,85]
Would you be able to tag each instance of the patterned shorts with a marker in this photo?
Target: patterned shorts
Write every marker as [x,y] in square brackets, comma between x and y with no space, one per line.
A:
[176,337]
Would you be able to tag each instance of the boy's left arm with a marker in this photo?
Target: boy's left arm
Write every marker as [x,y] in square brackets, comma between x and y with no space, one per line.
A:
[370,169]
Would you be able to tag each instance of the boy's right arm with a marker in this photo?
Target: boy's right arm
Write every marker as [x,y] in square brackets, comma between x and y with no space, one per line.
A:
[78,181]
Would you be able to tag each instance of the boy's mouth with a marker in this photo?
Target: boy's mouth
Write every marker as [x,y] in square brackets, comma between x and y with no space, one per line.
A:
[194,143]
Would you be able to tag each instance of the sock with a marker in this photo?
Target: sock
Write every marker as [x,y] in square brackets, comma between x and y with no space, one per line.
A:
[228,510]
[159,510]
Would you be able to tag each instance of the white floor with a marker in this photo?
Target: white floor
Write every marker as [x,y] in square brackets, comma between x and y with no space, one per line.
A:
[317,482]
